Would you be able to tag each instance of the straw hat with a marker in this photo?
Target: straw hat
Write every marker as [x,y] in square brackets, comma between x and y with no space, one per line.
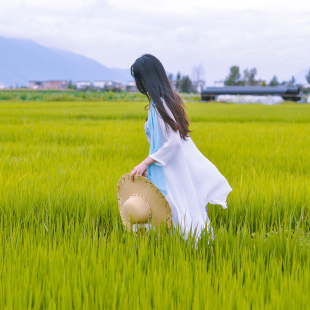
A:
[141,202]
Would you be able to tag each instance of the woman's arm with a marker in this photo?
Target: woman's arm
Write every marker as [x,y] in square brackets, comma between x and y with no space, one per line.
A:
[165,153]
[142,167]
[173,141]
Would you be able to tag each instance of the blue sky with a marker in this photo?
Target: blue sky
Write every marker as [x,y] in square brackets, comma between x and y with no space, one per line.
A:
[272,36]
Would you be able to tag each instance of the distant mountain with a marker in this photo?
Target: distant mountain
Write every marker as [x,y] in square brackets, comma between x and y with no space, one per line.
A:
[301,76]
[125,73]
[25,60]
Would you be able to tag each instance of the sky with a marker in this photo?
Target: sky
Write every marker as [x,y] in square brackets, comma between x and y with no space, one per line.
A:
[270,35]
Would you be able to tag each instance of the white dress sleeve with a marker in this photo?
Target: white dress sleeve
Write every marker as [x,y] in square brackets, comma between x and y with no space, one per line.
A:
[172,139]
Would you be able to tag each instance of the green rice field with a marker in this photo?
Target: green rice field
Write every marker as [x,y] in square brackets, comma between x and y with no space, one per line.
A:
[62,243]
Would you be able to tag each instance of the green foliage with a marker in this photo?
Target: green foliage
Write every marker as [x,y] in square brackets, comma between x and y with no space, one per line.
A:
[249,77]
[71,86]
[36,95]
[62,242]
[178,81]
[233,77]
[274,81]
[185,84]
[107,95]
[292,81]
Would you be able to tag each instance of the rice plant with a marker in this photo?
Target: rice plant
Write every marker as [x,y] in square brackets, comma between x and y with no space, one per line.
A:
[63,245]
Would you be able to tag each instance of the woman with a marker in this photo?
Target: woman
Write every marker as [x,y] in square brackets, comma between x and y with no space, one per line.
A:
[175,165]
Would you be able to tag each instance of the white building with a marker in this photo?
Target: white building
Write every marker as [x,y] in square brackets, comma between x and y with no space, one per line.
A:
[55,84]
[199,86]
[82,84]
[131,87]
[114,84]
[108,84]
[7,86]
[100,84]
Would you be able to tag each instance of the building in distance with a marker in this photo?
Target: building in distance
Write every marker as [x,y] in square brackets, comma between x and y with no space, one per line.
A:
[287,93]
[55,84]
[108,85]
[100,84]
[198,86]
[131,87]
[83,85]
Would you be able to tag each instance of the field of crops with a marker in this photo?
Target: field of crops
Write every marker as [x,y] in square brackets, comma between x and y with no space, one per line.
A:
[62,244]
[24,94]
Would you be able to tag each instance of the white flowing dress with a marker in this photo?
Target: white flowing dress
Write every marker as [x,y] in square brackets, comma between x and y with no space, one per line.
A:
[192,180]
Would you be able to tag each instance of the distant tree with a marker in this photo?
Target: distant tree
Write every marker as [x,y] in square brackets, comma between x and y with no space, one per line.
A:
[71,86]
[178,81]
[249,77]
[284,83]
[264,83]
[233,77]
[292,81]
[274,81]
[170,77]
[186,84]
[308,77]
[87,89]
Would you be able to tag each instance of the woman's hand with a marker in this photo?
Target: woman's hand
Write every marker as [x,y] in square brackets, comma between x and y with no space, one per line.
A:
[141,169]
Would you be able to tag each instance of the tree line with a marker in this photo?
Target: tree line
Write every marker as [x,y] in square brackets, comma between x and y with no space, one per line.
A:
[248,79]
[184,84]
[181,83]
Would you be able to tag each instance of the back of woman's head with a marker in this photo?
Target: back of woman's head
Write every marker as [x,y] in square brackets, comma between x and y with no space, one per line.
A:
[152,81]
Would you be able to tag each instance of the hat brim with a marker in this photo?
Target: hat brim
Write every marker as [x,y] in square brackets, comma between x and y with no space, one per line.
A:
[160,209]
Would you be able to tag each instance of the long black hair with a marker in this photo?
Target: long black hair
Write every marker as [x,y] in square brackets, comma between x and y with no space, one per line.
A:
[152,81]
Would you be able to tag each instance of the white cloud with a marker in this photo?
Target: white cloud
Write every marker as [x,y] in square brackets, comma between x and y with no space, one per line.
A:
[270,35]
